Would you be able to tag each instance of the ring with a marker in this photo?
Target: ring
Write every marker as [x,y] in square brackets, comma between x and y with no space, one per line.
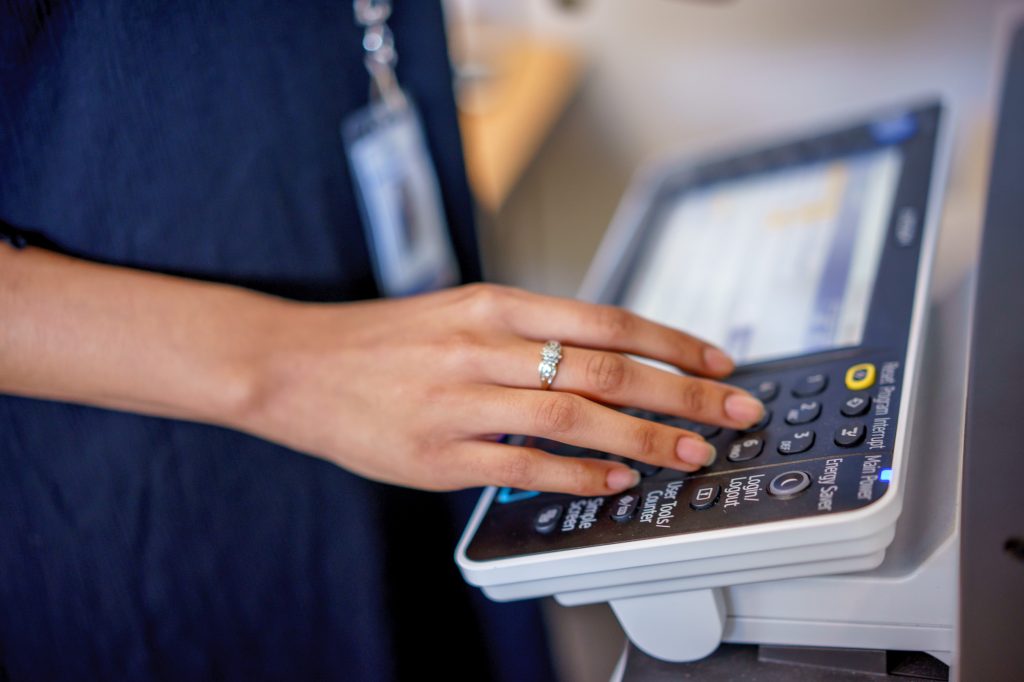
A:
[550,354]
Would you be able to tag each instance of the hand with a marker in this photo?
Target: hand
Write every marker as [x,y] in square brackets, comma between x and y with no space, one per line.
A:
[416,391]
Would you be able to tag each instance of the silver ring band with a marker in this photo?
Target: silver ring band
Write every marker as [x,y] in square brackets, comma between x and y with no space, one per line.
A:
[550,355]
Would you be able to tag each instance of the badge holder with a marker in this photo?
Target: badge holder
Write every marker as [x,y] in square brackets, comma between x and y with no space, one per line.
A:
[396,185]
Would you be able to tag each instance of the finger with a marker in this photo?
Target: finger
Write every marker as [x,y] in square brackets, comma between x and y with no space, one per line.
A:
[589,325]
[514,466]
[572,419]
[616,379]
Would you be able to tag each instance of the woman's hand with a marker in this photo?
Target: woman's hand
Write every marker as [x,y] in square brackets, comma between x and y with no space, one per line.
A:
[410,391]
[415,391]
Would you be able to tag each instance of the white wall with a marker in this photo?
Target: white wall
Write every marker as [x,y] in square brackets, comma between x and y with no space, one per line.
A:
[671,76]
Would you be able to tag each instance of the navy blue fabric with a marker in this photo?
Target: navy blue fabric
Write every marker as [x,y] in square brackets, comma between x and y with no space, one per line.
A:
[201,138]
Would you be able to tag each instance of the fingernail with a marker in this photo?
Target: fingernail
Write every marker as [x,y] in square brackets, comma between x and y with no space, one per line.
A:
[622,478]
[697,452]
[743,408]
[717,361]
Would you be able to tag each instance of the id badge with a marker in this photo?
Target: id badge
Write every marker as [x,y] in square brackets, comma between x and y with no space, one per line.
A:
[399,198]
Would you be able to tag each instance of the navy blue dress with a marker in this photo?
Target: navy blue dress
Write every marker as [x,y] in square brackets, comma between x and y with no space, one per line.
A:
[201,139]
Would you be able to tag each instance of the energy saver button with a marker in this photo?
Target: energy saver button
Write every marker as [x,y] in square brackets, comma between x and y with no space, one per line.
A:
[860,377]
[789,484]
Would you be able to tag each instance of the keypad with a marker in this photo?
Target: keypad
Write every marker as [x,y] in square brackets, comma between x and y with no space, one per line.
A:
[811,384]
[820,417]
[745,449]
[803,413]
[796,442]
[766,419]
[766,391]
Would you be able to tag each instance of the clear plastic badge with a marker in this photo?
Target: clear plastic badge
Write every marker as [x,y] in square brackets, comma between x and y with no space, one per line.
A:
[400,199]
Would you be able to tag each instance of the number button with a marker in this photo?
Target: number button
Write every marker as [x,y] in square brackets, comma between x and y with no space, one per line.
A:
[856,405]
[766,391]
[765,420]
[849,435]
[812,384]
[795,443]
[804,413]
[745,449]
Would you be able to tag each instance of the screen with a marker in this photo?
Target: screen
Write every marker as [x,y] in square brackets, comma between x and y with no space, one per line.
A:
[771,265]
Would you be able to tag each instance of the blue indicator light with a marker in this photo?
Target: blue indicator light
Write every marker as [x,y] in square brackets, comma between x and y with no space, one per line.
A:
[885,475]
[506,495]
[894,130]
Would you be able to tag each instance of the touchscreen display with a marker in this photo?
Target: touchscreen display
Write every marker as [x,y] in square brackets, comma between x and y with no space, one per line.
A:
[771,265]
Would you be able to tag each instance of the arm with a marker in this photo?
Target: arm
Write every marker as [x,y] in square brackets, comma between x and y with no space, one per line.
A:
[408,391]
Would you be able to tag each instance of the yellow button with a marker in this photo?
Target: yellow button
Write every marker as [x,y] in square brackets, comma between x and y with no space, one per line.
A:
[860,377]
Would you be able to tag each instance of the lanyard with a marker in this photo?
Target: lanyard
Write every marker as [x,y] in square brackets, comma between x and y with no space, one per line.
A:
[380,56]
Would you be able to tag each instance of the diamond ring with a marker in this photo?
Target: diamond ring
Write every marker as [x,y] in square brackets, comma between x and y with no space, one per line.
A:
[550,354]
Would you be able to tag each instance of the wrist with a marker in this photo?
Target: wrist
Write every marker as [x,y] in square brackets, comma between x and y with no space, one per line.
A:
[243,343]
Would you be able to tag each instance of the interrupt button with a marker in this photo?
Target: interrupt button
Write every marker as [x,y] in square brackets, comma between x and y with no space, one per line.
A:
[789,484]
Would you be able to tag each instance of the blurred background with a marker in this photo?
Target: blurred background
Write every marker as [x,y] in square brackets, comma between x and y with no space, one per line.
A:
[561,101]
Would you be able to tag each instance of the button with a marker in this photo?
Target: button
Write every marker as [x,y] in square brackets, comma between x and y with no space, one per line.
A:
[789,484]
[547,518]
[707,430]
[705,496]
[856,405]
[804,413]
[800,441]
[766,391]
[850,435]
[860,377]
[765,420]
[812,384]
[745,449]
[644,468]
[624,507]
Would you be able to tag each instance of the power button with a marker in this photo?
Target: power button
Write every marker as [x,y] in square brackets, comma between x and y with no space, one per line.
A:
[860,377]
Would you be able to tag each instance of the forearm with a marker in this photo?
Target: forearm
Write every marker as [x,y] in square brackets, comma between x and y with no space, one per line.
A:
[125,339]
